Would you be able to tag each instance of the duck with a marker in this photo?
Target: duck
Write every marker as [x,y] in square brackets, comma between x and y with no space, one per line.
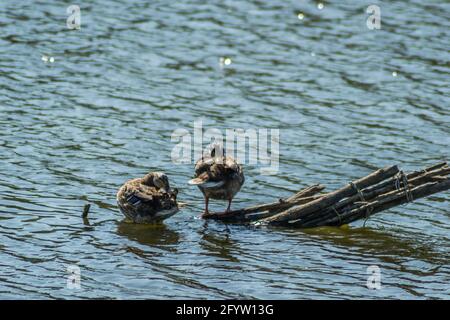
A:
[148,199]
[218,177]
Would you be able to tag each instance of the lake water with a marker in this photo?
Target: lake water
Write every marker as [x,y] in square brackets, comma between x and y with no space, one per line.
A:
[347,100]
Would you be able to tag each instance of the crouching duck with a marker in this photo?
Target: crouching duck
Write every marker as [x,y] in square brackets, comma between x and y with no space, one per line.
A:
[148,199]
[218,177]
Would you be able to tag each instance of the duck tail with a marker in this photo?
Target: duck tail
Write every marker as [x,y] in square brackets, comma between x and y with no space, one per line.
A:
[206,183]
[196,181]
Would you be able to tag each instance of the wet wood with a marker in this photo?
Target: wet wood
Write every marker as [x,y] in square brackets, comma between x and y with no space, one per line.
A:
[349,190]
[372,192]
[378,191]
[389,201]
[257,212]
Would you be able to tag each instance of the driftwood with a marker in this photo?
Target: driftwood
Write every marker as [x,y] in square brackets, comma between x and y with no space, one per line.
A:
[380,190]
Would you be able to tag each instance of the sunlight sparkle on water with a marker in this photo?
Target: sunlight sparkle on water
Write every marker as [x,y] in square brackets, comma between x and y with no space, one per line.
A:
[48,59]
[225,61]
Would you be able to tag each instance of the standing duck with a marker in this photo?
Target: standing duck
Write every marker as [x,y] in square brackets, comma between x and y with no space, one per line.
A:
[148,199]
[218,177]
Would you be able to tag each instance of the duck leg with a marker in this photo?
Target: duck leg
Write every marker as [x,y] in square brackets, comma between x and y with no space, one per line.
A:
[229,205]
[206,212]
[227,211]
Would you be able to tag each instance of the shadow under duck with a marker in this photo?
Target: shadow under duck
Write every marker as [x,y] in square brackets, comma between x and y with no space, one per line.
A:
[148,199]
[218,177]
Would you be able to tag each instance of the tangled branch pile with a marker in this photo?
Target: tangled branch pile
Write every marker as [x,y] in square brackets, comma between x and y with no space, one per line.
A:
[380,190]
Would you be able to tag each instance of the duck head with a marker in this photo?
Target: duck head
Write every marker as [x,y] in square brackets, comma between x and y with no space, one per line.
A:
[215,150]
[169,205]
[158,180]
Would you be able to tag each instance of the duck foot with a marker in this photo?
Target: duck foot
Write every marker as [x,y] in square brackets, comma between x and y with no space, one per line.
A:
[206,215]
[212,215]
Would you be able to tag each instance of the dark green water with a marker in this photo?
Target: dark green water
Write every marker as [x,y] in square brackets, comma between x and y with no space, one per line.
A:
[74,130]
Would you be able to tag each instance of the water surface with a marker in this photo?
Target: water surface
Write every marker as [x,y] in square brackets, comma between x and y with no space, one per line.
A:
[72,131]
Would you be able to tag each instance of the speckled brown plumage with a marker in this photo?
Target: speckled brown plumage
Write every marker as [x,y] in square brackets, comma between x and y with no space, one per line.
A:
[148,199]
[218,178]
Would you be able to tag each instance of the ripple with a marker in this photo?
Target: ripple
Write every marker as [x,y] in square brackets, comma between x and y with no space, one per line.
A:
[103,112]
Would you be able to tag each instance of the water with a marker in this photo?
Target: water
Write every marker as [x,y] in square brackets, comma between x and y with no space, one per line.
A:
[74,130]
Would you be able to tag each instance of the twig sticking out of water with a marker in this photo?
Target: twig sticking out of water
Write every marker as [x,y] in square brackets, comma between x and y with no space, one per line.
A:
[86,208]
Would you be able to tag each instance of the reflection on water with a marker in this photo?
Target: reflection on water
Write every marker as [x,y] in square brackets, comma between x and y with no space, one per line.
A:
[218,243]
[73,130]
[150,234]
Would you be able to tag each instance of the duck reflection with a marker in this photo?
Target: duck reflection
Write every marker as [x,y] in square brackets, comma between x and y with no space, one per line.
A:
[219,243]
[149,234]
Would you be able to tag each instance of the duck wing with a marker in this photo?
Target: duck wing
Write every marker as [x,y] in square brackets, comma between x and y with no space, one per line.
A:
[138,197]
[134,193]
[208,180]
[145,204]
[212,173]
